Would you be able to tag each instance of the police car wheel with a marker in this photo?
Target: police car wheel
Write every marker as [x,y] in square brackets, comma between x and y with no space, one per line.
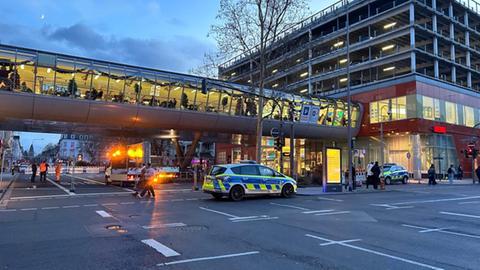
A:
[287,191]
[217,196]
[236,193]
[404,180]
[388,181]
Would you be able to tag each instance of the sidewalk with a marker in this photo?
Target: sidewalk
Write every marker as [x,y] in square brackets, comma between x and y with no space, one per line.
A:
[318,190]
[7,180]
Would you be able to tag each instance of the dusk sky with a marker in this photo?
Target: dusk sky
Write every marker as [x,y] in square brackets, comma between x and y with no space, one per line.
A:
[169,35]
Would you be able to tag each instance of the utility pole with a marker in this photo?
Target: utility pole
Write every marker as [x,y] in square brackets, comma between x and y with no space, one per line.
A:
[349,104]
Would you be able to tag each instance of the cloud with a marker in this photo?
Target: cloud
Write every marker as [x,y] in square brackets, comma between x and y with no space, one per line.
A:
[176,22]
[177,53]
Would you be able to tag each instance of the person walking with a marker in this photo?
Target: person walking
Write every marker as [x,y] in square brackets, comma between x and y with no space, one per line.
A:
[369,173]
[450,174]
[43,171]
[431,175]
[376,175]
[460,173]
[477,171]
[58,171]
[148,182]
[108,174]
[34,172]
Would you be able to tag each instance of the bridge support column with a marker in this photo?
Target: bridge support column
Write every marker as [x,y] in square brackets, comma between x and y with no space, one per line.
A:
[187,159]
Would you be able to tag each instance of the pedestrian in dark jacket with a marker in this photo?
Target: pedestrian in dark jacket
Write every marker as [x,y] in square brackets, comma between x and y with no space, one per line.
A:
[34,172]
[477,171]
[431,175]
[376,175]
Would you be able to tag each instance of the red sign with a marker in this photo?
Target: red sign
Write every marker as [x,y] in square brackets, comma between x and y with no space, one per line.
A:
[440,129]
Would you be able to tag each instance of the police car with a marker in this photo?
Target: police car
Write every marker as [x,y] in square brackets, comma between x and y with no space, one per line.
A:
[394,173]
[239,180]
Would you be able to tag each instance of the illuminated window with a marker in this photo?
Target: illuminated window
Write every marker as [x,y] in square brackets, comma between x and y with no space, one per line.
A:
[374,112]
[428,108]
[451,112]
[384,110]
[468,116]
[402,108]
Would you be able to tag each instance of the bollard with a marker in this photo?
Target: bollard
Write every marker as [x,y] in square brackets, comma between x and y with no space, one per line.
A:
[195,176]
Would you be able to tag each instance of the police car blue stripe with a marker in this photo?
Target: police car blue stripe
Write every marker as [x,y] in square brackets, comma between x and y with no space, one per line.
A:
[269,187]
[257,186]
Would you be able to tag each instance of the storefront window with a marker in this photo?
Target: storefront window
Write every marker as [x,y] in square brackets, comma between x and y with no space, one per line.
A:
[26,71]
[46,74]
[401,108]
[451,112]
[468,116]
[65,77]
[384,109]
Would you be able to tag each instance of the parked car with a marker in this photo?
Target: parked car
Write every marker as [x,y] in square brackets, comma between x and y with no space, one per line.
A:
[394,173]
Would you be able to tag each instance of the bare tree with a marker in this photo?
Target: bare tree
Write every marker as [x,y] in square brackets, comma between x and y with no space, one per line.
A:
[209,66]
[250,27]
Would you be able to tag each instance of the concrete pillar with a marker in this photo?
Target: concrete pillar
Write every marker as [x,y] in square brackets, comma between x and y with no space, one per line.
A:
[465,18]
[413,62]
[452,31]
[450,10]
[436,69]
[452,53]
[434,4]
[468,57]
[434,23]
[412,13]
[469,79]
[416,156]
[454,74]
[467,38]
[435,45]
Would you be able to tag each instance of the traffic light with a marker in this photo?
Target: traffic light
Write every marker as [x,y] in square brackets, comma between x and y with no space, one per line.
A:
[471,152]
[279,143]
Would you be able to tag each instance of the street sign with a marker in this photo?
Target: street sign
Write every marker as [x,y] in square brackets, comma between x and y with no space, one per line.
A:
[274,132]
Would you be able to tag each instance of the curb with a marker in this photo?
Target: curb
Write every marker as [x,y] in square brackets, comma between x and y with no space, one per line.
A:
[346,193]
[7,188]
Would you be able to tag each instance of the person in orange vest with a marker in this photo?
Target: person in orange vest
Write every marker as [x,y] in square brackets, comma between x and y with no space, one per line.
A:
[43,171]
[58,171]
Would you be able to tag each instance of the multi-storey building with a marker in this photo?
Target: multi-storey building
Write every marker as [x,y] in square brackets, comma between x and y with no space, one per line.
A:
[414,65]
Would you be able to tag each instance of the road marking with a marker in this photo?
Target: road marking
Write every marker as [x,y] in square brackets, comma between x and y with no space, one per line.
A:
[71,206]
[38,197]
[166,251]
[60,187]
[88,180]
[127,203]
[437,200]
[209,258]
[51,207]
[218,212]
[192,199]
[28,209]
[238,218]
[441,230]
[177,200]
[103,213]
[391,207]
[254,219]
[174,190]
[290,206]
[107,204]
[339,242]
[168,225]
[90,205]
[469,202]
[459,214]
[8,210]
[318,211]
[332,213]
[376,253]
[329,199]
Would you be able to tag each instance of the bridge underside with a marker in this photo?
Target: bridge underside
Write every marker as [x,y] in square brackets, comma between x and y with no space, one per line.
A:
[51,114]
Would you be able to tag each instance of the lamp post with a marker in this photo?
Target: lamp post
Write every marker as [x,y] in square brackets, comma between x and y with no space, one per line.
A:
[349,104]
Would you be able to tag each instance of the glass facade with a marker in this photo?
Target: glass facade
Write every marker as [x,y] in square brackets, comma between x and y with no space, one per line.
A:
[30,71]
[419,106]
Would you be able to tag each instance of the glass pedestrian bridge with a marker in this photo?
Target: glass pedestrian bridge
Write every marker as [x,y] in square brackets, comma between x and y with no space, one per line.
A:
[46,90]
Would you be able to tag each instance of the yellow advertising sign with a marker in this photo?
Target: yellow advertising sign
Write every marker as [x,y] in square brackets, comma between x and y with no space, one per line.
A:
[334,173]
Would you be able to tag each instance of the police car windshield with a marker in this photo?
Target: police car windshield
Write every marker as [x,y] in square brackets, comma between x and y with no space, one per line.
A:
[216,170]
